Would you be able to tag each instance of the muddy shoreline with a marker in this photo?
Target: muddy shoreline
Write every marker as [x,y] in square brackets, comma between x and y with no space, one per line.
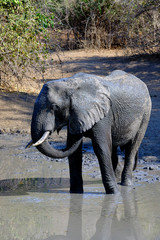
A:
[33,164]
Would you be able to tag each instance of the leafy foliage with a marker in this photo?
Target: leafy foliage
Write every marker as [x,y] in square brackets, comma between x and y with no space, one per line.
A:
[22,28]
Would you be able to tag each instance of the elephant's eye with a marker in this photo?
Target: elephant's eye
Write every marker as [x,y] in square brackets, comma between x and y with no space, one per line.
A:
[54,107]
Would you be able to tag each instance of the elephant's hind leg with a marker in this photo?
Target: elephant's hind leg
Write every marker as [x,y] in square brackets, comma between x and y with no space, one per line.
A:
[102,145]
[131,152]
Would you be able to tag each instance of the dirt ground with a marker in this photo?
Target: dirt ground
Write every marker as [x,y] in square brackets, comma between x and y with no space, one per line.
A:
[16,108]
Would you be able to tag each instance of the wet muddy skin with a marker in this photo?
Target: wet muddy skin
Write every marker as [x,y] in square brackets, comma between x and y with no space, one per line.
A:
[35,203]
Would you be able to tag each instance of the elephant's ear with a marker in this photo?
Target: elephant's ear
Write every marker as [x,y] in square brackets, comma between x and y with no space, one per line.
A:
[89,103]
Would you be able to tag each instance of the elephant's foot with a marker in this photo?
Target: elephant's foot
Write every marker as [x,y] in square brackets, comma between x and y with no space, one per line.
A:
[76,184]
[126,180]
[112,190]
[118,171]
[76,189]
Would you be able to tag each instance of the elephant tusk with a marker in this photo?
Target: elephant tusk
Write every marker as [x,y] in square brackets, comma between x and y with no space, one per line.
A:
[29,144]
[42,139]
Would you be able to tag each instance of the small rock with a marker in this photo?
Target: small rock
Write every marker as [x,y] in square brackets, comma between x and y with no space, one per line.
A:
[151,168]
[145,168]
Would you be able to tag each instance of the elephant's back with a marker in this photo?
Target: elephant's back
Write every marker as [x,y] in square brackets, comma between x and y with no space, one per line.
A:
[130,103]
[127,88]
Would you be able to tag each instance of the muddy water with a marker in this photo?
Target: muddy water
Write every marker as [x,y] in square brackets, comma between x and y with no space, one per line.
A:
[35,203]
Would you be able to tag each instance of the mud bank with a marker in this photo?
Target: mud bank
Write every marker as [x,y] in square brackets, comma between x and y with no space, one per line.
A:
[23,164]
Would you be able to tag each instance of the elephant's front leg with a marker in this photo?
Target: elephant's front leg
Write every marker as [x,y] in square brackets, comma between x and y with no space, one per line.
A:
[75,166]
[102,145]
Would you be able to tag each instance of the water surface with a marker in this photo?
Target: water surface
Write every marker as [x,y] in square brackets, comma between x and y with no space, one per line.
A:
[134,214]
[35,203]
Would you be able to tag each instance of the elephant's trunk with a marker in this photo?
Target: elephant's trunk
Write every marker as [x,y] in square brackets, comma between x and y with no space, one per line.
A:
[40,141]
[49,151]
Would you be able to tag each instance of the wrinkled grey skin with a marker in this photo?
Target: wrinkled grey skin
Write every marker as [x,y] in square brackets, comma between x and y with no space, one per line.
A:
[113,111]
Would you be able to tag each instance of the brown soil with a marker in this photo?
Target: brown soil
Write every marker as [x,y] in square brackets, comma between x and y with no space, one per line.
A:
[16,108]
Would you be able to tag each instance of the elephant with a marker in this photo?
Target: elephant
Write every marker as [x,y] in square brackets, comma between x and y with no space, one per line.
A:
[113,111]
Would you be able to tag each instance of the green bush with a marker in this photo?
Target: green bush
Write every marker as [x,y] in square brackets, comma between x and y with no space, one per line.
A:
[22,29]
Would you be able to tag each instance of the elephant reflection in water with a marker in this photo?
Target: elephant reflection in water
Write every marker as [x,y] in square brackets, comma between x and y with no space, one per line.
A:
[119,221]
[114,223]
[91,216]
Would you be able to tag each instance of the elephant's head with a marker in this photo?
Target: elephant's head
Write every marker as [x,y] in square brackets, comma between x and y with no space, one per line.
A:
[77,102]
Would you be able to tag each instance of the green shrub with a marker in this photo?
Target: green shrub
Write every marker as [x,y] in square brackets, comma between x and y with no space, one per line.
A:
[22,29]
